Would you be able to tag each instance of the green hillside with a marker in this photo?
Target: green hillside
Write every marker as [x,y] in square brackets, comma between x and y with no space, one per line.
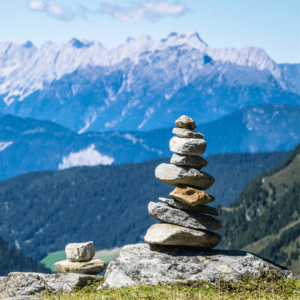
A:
[265,218]
[13,260]
[105,204]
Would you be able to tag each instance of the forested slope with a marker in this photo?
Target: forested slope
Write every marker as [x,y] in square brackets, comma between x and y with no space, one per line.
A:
[44,211]
[265,218]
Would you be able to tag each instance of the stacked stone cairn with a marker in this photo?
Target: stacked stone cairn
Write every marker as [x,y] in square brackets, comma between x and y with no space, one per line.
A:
[80,260]
[186,219]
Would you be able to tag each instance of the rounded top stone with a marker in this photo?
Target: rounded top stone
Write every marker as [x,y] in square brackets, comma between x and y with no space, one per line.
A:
[185,122]
[80,251]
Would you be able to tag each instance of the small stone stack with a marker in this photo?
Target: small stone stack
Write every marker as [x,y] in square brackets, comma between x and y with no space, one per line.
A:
[186,219]
[80,260]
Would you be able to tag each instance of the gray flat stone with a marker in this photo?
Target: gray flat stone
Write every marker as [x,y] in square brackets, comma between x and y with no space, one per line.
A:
[187,133]
[185,122]
[187,146]
[197,208]
[153,264]
[169,234]
[91,267]
[80,251]
[22,283]
[196,162]
[194,220]
[175,175]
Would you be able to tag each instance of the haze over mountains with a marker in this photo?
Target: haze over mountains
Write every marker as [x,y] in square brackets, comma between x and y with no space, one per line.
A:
[141,85]
[28,145]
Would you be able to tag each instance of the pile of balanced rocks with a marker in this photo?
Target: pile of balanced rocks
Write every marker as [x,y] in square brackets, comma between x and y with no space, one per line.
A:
[180,248]
[186,219]
[80,260]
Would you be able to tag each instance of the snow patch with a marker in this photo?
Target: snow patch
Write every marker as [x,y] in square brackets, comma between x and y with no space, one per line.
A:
[130,137]
[86,157]
[4,145]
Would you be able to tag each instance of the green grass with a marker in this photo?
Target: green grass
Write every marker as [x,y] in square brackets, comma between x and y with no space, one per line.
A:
[265,286]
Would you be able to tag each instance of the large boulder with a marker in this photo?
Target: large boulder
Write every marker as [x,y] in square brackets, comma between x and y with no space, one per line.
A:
[189,219]
[153,264]
[174,175]
[19,283]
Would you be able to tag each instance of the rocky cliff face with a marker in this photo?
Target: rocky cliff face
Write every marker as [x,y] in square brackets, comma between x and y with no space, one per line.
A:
[141,85]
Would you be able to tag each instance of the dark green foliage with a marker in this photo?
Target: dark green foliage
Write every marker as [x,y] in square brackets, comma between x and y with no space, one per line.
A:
[259,212]
[13,260]
[274,251]
[105,204]
[239,232]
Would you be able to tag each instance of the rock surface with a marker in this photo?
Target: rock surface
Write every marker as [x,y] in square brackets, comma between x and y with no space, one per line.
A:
[187,133]
[196,162]
[153,264]
[19,283]
[198,208]
[193,220]
[92,267]
[168,234]
[174,175]
[185,122]
[187,146]
[191,196]
[80,251]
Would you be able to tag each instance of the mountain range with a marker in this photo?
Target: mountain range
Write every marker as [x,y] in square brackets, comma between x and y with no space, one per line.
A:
[141,85]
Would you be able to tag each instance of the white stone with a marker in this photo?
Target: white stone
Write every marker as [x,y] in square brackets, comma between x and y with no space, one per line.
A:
[80,251]
[187,146]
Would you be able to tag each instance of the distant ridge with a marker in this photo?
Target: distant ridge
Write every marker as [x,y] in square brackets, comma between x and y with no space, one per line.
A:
[28,145]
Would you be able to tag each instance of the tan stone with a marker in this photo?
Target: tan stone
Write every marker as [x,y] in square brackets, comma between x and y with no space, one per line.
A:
[92,267]
[191,196]
[167,234]
[80,251]
[185,122]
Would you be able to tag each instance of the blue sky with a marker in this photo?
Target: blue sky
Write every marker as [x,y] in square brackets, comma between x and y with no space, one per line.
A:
[270,24]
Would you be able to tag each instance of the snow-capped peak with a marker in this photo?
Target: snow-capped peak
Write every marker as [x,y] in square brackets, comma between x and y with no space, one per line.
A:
[25,69]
